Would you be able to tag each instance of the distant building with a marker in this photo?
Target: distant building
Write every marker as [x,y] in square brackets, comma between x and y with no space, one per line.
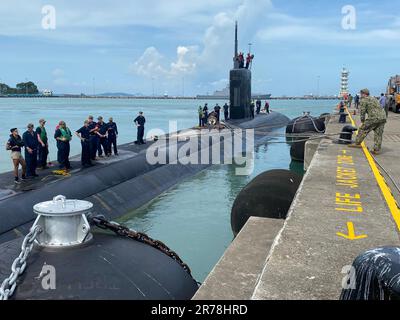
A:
[47,93]
[224,95]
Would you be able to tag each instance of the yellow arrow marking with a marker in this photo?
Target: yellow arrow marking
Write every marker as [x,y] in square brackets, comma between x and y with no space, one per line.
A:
[351,235]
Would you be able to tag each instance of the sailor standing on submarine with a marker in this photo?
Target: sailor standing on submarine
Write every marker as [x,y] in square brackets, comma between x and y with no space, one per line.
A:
[31,144]
[93,140]
[102,137]
[63,136]
[112,132]
[140,121]
[84,135]
[43,150]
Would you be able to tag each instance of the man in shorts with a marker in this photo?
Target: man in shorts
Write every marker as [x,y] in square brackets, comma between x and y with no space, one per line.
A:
[15,144]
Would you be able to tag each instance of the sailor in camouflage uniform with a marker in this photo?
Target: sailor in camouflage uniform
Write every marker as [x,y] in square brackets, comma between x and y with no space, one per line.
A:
[376,121]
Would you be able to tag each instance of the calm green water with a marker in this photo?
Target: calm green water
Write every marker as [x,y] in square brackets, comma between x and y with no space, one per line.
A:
[192,218]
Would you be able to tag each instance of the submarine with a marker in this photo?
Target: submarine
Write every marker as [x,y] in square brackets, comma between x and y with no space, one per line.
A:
[116,186]
[113,188]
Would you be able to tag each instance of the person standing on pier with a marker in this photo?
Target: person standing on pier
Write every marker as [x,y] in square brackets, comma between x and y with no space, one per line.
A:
[350,100]
[140,121]
[357,101]
[31,144]
[376,121]
[252,106]
[226,112]
[384,104]
[43,150]
[84,135]
[102,137]
[93,140]
[15,144]
[112,132]
[63,136]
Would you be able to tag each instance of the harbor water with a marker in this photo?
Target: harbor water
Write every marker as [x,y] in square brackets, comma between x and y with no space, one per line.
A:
[193,218]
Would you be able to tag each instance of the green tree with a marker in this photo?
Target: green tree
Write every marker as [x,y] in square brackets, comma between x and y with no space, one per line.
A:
[4,89]
[27,88]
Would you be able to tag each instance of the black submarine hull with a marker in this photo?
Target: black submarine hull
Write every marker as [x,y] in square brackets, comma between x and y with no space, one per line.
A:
[115,188]
[124,270]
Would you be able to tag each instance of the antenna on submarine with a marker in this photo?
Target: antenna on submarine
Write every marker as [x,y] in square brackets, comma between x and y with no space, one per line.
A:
[235,58]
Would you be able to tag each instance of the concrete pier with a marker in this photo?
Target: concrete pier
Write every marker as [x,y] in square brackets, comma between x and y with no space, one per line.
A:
[345,205]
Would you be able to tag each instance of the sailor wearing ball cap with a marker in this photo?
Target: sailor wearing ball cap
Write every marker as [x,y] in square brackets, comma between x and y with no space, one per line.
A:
[375,121]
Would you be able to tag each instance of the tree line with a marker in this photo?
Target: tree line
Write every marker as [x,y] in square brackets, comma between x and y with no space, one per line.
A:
[21,88]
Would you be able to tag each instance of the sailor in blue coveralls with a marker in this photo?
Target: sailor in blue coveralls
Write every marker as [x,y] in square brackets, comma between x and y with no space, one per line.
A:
[84,135]
[63,136]
[93,140]
[102,136]
[31,144]
[140,121]
[112,136]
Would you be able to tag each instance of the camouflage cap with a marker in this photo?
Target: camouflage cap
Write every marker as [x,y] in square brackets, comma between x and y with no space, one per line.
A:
[365,91]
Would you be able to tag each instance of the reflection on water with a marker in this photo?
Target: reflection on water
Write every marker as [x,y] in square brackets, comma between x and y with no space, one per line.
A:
[193,218]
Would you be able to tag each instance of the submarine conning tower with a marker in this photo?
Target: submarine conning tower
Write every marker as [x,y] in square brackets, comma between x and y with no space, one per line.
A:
[240,87]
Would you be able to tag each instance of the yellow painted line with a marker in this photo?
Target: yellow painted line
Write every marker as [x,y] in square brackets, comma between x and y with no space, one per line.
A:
[387,193]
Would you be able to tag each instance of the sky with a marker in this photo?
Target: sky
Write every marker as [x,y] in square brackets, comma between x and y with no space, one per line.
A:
[182,47]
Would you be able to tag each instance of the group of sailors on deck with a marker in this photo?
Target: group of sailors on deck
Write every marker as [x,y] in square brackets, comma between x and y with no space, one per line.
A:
[97,138]
[204,113]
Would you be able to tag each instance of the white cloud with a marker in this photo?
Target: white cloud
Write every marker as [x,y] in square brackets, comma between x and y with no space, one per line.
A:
[308,33]
[150,64]
[61,82]
[186,60]
[153,64]
[58,72]
[324,30]
[81,21]
[216,54]
[219,83]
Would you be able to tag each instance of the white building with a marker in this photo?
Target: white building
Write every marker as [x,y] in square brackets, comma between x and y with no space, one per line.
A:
[47,93]
[344,85]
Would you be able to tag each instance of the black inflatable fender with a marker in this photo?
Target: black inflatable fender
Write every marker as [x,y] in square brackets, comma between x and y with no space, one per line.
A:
[268,195]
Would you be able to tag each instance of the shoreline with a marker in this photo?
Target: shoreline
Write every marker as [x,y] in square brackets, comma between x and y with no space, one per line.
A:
[158,98]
